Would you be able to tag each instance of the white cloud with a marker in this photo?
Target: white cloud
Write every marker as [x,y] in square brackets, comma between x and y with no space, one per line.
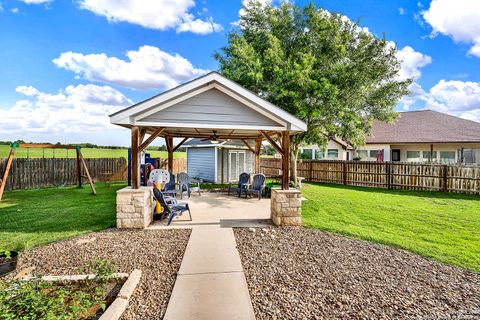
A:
[153,14]
[15,10]
[458,98]
[458,19]
[455,97]
[401,11]
[35,1]
[81,109]
[148,67]
[198,26]
[411,62]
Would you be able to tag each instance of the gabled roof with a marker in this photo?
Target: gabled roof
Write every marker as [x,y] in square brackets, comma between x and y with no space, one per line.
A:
[210,102]
[425,126]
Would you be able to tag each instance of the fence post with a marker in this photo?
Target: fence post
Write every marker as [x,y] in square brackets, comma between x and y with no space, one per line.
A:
[310,170]
[344,173]
[389,175]
[445,178]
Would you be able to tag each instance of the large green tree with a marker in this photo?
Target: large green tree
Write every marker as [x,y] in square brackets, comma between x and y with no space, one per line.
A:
[319,66]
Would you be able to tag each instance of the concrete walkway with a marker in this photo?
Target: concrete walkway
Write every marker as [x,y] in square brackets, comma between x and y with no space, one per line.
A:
[210,283]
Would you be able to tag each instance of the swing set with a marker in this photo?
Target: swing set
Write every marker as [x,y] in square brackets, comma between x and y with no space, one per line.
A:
[80,162]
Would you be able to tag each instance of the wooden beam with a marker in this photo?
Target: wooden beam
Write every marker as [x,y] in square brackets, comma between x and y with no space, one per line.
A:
[143,131]
[248,146]
[3,183]
[286,160]
[180,144]
[272,142]
[87,174]
[150,139]
[45,146]
[258,148]
[169,143]
[135,166]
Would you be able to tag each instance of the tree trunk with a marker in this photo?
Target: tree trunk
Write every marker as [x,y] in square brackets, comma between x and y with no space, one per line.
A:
[293,162]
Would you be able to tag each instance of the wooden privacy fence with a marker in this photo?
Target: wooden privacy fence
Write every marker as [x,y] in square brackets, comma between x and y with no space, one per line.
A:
[179,164]
[27,173]
[391,175]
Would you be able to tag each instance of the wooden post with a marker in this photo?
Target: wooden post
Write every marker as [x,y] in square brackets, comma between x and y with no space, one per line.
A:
[135,158]
[169,143]
[285,160]
[344,176]
[258,147]
[3,183]
[389,175]
[431,154]
[79,169]
[87,173]
[445,178]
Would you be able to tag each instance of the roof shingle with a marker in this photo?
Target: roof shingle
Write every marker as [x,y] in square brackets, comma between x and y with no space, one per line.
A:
[425,126]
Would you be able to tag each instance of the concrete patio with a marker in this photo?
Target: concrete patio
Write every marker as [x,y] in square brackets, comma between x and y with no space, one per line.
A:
[222,210]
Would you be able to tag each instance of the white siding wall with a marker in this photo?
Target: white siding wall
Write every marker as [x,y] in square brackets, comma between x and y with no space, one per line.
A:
[333,145]
[201,163]
[211,107]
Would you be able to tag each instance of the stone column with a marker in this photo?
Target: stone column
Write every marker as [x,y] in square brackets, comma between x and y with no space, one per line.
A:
[134,207]
[286,207]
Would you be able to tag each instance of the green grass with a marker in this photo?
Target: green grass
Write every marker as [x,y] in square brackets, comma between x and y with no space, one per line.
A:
[37,217]
[441,226]
[86,152]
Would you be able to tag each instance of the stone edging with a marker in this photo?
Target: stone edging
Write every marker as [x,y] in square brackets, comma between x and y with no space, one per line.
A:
[116,309]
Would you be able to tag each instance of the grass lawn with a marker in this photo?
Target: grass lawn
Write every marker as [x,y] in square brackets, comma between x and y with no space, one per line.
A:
[442,226]
[37,217]
[86,152]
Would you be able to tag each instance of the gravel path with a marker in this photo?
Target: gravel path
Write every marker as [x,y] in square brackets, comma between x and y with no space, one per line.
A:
[299,273]
[158,253]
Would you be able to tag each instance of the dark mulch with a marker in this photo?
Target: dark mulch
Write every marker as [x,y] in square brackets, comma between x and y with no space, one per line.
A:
[158,253]
[299,273]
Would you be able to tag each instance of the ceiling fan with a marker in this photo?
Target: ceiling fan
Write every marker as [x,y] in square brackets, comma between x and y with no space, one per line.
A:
[213,138]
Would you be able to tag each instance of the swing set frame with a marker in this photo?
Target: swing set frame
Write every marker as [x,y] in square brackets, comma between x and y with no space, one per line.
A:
[80,163]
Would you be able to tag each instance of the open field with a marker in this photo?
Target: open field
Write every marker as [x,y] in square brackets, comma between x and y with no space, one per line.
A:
[441,226]
[87,153]
[40,216]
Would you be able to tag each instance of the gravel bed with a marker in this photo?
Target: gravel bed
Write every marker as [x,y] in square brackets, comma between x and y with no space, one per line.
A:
[158,253]
[299,273]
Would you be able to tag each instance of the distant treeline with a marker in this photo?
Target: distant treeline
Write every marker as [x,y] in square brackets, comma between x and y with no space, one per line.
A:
[90,145]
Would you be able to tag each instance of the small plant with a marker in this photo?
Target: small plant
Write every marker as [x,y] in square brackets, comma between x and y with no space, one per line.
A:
[42,299]
[6,254]
[102,268]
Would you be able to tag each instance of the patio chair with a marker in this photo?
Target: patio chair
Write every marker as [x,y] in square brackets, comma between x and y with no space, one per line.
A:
[257,186]
[187,184]
[171,209]
[242,179]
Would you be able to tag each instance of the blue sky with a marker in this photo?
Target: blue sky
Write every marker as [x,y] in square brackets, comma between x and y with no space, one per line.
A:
[65,65]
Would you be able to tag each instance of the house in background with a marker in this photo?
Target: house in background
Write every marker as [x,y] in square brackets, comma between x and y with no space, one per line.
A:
[424,136]
[335,150]
[416,136]
[218,161]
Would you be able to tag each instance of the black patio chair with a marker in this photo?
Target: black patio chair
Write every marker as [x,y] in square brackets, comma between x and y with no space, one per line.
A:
[242,179]
[257,186]
[171,209]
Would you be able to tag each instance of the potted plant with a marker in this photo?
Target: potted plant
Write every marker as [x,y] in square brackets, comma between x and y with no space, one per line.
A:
[8,261]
